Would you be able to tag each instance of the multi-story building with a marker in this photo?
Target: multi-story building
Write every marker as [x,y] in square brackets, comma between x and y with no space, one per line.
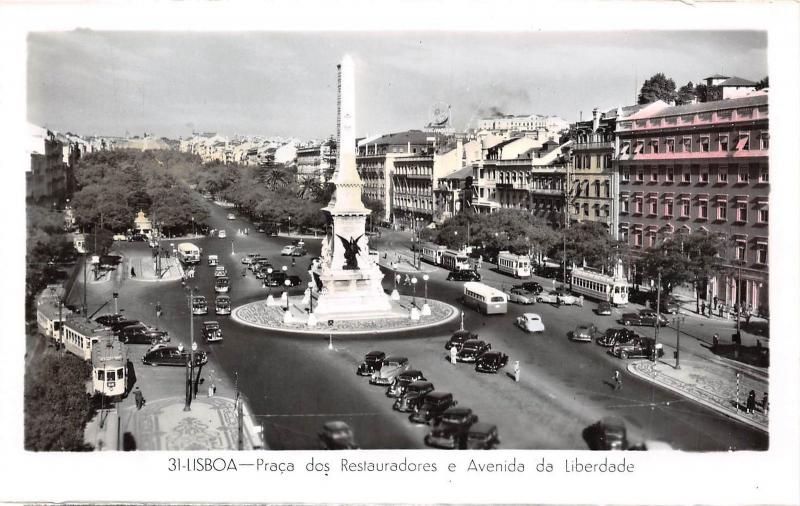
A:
[375,162]
[317,161]
[701,167]
[46,177]
[453,194]
[721,87]
[527,123]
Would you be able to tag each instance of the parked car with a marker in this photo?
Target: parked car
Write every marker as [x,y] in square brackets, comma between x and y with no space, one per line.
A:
[155,336]
[603,309]
[213,260]
[222,305]
[608,434]
[472,349]
[372,362]
[220,272]
[530,286]
[585,333]
[287,250]
[137,238]
[248,258]
[222,284]
[142,334]
[390,368]
[222,234]
[482,436]
[299,251]
[554,297]
[117,326]
[644,317]
[211,331]
[294,280]
[231,216]
[413,396]
[521,296]
[432,407]
[491,361]
[668,305]
[637,347]
[613,336]
[275,278]
[458,338]
[109,319]
[530,322]
[171,355]
[199,305]
[451,431]
[402,380]
[465,275]
[337,435]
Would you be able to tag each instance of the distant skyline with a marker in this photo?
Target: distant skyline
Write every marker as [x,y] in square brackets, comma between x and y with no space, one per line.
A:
[281,83]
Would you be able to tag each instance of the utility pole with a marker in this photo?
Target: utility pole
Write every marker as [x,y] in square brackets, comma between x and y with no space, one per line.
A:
[85,286]
[677,322]
[566,221]
[658,320]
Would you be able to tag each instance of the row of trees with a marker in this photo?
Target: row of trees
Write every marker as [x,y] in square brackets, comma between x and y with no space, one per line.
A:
[661,87]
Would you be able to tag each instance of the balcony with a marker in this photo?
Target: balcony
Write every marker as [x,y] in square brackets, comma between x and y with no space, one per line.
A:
[593,146]
[546,191]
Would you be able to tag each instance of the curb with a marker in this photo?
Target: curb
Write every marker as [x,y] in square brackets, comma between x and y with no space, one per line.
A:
[747,421]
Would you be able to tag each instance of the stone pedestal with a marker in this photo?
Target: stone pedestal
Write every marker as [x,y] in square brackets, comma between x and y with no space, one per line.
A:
[270,300]
[287,317]
[426,310]
[414,314]
[353,294]
[312,320]
[395,294]
[284,299]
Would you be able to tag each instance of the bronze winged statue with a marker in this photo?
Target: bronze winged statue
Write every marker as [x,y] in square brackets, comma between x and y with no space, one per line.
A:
[351,251]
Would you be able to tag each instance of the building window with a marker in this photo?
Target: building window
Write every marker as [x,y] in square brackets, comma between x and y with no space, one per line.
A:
[741,213]
[653,207]
[744,175]
[687,144]
[763,175]
[703,177]
[651,240]
[623,205]
[685,208]
[597,211]
[654,146]
[741,250]
[722,210]
[761,254]
[637,238]
[765,141]
[626,176]
[687,176]
[763,215]
[670,175]
[625,148]
[705,144]
[654,175]
[723,143]
[637,205]
[668,208]
[702,210]
[669,145]
[586,209]
[722,175]
[639,176]
[743,144]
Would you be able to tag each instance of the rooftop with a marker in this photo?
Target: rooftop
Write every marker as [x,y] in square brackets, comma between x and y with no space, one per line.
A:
[752,100]
[737,81]
[459,174]
[716,76]
[412,136]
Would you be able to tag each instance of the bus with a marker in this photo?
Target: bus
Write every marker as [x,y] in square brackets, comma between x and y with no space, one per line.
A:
[188,253]
[109,368]
[484,298]
[81,334]
[432,253]
[599,286]
[518,266]
[455,261]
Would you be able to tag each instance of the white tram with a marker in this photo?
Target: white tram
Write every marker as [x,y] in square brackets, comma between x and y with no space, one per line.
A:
[455,260]
[432,253]
[80,335]
[50,313]
[485,298]
[518,266]
[109,368]
[599,286]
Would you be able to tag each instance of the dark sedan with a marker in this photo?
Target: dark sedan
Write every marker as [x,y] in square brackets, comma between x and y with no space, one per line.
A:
[372,362]
[613,336]
[141,334]
[482,436]
[472,349]
[608,434]
[121,324]
[171,355]
[432,407]
[491,361]
[530,286]
[644,317]
[603,309]
[451,431]
[337,435]
[465,275]
[109,319]
[405,378]
[459,337]
[413,396]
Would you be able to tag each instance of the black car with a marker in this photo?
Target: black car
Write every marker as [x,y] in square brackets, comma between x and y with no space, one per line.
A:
[172,356]
[644,317]
[432,407]
[412,398]
[491,361]
[603,309]
[482,436]
[294,280]
[276,278]
[141,334]
[402,380]
[121,324]
[530,286]
[465,275]
[109,319]
[451,431]
[337,435]
[613,336]
[458,338]
[608,434]
[638,347]
[137,238]
[472,349]
[372,362]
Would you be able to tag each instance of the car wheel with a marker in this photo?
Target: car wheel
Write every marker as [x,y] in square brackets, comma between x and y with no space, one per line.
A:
[623,355]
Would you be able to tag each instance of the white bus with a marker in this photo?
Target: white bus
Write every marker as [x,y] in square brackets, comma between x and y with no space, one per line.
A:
[455,261]
[432,253]
[593,284]
[188,253]
[518,266]
[109,368]
[80,335]
[484,298]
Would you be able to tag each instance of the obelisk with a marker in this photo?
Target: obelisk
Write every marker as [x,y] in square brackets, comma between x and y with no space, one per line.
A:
[351,279]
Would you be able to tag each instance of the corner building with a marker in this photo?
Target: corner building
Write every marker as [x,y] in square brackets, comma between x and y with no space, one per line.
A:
[701,167]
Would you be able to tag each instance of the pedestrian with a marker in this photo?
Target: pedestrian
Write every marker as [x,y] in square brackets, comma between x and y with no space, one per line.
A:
[765,404]
[747,316]
[716,300]
[617,380]
[137,394]
[211,389]
[558,301]
[751,402]
[580,301]
[715,341]
[453,353]
[133,272]
[180,347]
[516,371]
[292,261]
[158,310]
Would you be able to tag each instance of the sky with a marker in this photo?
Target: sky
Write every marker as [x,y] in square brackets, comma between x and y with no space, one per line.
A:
[284,83]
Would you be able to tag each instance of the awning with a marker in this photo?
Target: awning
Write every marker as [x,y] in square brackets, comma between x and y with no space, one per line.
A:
[703,197]
[761,240]
[721,198]
[741,199]
[742,141]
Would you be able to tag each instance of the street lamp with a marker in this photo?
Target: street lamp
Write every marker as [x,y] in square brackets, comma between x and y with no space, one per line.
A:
[425,278]
[268,281]
[233,252]
[677,322]
[190,292]
[287,283]
[311,297]
[414,291]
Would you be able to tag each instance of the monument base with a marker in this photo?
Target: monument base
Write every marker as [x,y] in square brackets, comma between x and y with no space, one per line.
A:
[353,295]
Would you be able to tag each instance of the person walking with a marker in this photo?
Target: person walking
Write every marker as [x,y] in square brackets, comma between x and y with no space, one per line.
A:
[716,300]
[715,341]
[617,380]
[293,262]
[453,353]
[158,310]
[137,394]
[516,371]
[703,308]
[765,404]
[133,272]
[751,402]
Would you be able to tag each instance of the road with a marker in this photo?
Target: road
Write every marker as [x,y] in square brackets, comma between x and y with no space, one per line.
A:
[295,383]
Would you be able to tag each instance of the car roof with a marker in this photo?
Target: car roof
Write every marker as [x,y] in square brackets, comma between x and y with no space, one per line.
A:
[492,353]
[411,372]
[211,322]
[463,332]
[438,395]
[336,425]
[613,421]
[375,353]
[530,316]
[457,411]
[395,359]
[223,297]
[473,341]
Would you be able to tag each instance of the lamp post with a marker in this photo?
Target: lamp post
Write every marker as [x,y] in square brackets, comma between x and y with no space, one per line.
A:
[233,251]
[677,321]
[414,291]
[287,283]
[658,320]
[268,281]
[190,366]
[425,278]
[311,297]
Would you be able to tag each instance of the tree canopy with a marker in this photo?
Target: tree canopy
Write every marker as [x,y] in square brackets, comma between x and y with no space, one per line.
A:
[658,87]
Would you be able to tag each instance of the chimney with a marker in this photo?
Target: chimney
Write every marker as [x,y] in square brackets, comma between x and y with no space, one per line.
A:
[595,119]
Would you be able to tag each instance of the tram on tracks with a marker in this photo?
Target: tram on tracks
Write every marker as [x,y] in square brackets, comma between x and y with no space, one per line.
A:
[109,368]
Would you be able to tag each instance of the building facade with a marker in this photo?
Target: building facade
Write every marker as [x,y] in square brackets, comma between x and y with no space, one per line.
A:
[46,176]
[453,194]
[701,167]
[316,162]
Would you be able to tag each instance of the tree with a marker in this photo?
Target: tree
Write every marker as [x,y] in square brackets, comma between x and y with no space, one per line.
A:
[588,243]
[378,209]
[764,83]
[686,94]
[701,92]
[658,87]
[670,261]
[704,252]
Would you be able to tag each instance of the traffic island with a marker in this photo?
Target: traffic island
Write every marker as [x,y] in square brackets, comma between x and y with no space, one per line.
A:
[407,316]
[711,384]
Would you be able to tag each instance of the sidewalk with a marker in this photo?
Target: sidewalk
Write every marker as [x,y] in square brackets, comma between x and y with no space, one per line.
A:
[710,383]
[144,265]
[401,262]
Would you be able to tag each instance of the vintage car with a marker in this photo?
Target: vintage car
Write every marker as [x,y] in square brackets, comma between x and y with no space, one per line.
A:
[172,356]
[212,332]
[608,434]
[603,308]
[644,317]
[220,272]
[491,361]
[615,335]
[585,333]
[337,435]
[222,304]
[458,338]
[530,322]
[637,347]
[391,367]
[222,234]
[451,431]
[142,334]
[413,396]
[109,319]
[521,296]
[482,436]
[222,284]
[432,407]
[402,380]
[465,275]
[530,286]
[213,260]
[247,258]
[231,216]
[556,297]
[372,362]
[199,305]
[287,250]
[117,326]
[472,349]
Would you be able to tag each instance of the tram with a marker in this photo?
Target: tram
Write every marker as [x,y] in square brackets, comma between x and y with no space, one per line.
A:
[50,313]
[432,253]
[80,335]
[600,286]
[518,266]
[455,261]
[109,368]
